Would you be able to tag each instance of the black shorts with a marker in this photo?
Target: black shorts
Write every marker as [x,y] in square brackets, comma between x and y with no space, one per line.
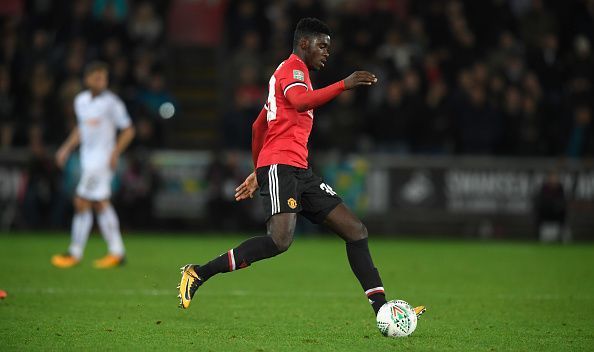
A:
[289,189]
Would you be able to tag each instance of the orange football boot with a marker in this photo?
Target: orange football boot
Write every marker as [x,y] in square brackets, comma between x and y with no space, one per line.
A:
[109,261]
[64,261]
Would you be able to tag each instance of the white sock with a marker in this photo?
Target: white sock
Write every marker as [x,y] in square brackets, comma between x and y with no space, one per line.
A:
[110,229]
[81,227]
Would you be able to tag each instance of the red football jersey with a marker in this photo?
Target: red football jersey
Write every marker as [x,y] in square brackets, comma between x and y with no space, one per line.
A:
[288,130]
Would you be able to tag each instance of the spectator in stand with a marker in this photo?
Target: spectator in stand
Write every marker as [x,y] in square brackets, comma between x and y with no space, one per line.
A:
[462,39]
[248,55]
[136,194]
[391,125]
[536,21]
[41,197]
[247,97]
[39,108]
[123,84]
[119,8]
[7,110]
[222,176]
[111,50]
[432,128]
[152,96]
[581,133]
[67,92]
[507,47]
[511,115]
[548,66]
[530,141]
[581,71]
[145,28]
[340,128]
[478,124]
[110,24]
[245,16]
[79,24]
[143,65]
[396,51]
[550,207]
[72,59]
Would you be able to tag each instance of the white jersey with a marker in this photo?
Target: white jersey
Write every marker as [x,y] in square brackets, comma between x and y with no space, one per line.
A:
[99,118]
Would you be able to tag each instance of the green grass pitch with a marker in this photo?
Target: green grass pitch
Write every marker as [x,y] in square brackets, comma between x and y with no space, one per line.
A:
[481,296]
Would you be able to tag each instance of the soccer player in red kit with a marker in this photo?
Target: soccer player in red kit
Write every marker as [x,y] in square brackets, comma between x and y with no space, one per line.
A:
[286,182]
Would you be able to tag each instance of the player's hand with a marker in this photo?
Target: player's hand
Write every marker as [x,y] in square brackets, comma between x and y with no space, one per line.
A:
[113,160]
[247,188]
[61,157]
[359,78]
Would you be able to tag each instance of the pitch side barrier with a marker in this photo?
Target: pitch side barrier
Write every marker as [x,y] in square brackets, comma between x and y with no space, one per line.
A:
[469,197]
[482,197]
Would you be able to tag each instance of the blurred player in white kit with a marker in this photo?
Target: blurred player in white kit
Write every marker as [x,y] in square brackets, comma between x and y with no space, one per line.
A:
[99,113]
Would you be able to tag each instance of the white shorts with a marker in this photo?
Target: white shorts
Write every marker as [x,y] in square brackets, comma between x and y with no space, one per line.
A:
[95,185]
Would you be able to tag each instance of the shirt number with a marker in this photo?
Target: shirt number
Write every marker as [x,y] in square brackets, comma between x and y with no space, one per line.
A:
[271,102]
[327,189]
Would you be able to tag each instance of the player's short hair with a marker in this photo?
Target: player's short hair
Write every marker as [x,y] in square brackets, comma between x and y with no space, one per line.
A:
[95,66]
[308,27]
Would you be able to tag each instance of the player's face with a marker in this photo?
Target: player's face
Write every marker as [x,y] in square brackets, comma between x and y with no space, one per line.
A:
[317,52]
[97,80]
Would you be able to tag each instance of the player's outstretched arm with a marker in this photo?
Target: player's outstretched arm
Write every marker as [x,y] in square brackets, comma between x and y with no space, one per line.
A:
[303,99]
[359,78]
[67,147]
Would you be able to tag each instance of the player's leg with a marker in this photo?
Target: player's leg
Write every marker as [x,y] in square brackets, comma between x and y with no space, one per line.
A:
[277,182]
[321,205]
[82,222]
[279,237]
[348,226]
[109,224]
[280,229]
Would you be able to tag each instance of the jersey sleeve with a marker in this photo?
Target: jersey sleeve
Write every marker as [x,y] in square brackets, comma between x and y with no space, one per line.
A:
[259,128]
[306,100]
[120,115]
[292,76]
[294,82]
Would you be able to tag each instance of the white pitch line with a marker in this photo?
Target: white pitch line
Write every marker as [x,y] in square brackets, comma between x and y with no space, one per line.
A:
[289,293]
[170,292]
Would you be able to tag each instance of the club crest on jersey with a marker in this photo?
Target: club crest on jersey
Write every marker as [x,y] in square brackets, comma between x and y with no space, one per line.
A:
[297,74]
[292,203]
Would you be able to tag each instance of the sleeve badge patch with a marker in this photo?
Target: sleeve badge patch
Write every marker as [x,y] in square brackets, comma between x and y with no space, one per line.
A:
[297,74]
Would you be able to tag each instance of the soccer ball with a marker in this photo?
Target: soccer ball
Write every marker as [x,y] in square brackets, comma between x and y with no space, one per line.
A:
[396,319]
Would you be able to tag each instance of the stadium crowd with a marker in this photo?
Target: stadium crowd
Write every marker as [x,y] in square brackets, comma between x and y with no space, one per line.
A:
[500,77]
[43,54]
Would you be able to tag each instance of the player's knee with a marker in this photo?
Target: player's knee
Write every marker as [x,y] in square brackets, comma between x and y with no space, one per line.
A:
[81,205]
[100,206]
[282,241]
[358,232]
[362,231]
